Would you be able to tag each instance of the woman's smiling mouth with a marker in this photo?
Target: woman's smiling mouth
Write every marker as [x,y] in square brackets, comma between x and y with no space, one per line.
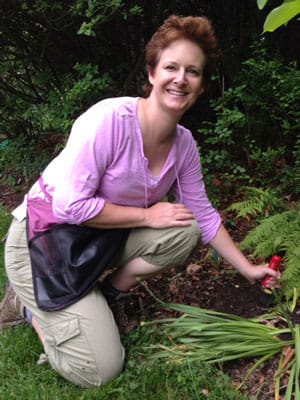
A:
[176,92]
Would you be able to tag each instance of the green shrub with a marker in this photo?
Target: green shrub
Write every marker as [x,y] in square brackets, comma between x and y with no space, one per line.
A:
[81,89]
[254,137]
[24,154]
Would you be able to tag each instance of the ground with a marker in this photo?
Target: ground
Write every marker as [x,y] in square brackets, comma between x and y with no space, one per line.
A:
[218,288]
[204,282]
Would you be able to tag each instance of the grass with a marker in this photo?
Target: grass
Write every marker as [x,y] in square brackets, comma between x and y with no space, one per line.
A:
[22,378]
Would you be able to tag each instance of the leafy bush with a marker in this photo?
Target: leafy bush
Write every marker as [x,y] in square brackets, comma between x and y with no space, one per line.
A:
[254,136]
[81,89]
[23,159]
[26,154]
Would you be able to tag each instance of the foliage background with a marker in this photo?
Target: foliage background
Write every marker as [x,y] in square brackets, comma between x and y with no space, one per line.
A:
[57,58]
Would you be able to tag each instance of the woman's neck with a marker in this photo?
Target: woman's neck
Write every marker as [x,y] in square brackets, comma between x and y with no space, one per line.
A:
[158,131]
[156,125]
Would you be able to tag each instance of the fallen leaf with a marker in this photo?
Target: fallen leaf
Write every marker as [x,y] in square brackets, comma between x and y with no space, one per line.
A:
[192,268]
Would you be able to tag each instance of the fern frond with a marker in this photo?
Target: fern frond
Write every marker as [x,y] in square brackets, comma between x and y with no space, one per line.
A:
[271,235]
[291,276]
[279,233]
[246,208]
[258,202]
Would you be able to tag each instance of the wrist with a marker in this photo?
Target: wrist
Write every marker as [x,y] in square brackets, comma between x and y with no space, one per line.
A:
[245,269]
[144,217]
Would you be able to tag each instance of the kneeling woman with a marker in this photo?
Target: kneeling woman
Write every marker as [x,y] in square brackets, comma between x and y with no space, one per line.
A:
[99,204]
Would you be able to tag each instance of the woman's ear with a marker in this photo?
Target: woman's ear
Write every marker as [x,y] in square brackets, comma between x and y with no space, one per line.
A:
[150,75]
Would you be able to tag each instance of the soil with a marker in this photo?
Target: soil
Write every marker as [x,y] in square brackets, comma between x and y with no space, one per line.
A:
[206,282]
[214,286]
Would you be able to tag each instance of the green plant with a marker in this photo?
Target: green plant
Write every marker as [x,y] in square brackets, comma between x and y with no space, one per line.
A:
[214,337]
[280,15]
[279,233]
[4,224]
[81,88]
[258,202]
[264,163]
[142,378]
[219,137]
[24,155]
[98,12]
[293,176]
[256,125]
[23,159]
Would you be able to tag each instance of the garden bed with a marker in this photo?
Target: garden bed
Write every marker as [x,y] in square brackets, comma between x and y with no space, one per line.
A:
[216,286]
[204,282]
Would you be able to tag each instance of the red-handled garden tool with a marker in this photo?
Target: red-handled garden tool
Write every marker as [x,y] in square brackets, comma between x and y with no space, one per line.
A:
[274,265]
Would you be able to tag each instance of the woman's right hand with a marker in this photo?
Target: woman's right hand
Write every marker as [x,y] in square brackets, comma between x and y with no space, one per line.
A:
[167,215]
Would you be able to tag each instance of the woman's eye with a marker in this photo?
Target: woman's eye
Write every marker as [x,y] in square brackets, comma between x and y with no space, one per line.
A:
[170,67]
[194,72]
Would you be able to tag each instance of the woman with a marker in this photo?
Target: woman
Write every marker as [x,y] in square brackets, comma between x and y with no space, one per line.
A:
[123,157]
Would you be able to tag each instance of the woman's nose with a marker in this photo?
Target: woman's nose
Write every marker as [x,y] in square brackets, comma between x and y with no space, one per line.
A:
[180,77]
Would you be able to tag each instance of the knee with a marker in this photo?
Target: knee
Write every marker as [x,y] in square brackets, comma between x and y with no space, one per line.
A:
[79,359]
[174,246]
[87,371]
[186,241]
[95,372]
[191,235]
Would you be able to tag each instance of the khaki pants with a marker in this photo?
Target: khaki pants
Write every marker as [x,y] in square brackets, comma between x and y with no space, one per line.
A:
[82,342]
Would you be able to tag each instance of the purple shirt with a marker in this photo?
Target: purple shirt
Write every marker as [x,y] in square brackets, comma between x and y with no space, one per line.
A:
[104,160]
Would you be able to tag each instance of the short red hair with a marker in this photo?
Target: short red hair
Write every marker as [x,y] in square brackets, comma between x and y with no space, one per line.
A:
[196,29]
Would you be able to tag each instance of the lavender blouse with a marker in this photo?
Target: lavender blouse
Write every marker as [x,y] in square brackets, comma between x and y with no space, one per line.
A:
[104,160]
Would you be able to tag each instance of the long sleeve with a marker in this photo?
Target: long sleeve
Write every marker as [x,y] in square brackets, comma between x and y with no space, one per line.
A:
[190,189]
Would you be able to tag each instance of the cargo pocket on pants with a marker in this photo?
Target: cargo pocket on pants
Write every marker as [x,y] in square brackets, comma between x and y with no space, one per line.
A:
[69,352]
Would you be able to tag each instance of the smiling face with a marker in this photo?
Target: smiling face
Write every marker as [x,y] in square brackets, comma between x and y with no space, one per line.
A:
[177,79]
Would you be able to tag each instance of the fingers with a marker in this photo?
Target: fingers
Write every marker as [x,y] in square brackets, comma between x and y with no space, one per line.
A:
[165,215]
[183,216]
[181,212]
[273,273]
[271,279]
[264,274]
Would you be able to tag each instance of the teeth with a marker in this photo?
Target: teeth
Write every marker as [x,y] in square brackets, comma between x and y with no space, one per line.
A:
[177,93]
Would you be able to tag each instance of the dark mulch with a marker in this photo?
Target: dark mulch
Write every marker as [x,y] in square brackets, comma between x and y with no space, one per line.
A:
[204,282]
